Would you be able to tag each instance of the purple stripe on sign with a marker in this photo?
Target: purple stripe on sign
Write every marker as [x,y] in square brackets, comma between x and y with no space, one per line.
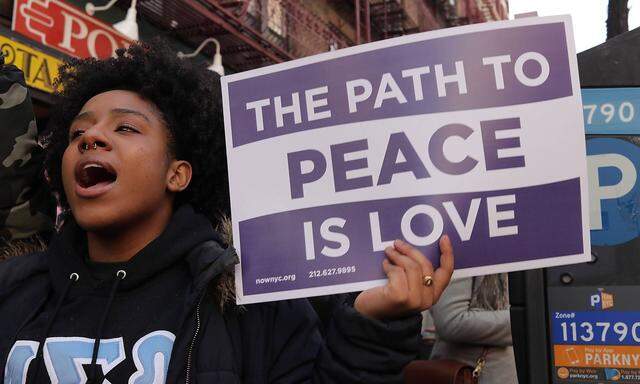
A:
[484,88]
[547,217]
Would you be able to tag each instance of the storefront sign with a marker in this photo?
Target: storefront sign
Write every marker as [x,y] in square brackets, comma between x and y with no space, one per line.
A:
[40,69]
[65,28]
[595,334]
[476,132]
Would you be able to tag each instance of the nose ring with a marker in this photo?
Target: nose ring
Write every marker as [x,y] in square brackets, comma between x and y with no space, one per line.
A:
[85,146]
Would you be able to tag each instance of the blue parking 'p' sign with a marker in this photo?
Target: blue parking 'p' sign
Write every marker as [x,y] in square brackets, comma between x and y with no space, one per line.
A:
[614,190]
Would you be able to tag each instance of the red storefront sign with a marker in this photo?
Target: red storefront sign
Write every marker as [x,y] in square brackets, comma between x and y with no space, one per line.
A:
[66,28]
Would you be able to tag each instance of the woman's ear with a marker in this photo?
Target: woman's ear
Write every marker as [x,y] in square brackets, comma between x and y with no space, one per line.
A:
[178,175]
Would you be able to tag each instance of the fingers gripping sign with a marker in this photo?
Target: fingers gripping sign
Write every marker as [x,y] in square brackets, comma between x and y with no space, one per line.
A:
[413,285]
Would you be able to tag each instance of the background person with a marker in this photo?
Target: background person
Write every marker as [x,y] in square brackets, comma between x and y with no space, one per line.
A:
[472,320]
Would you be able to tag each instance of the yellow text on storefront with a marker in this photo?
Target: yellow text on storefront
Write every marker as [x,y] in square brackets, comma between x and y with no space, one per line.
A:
[40,69]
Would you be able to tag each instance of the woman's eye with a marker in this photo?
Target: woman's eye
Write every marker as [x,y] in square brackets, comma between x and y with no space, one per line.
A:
[76,133]
[126,128]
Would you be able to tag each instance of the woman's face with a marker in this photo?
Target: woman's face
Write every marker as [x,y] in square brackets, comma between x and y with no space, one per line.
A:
[116,169]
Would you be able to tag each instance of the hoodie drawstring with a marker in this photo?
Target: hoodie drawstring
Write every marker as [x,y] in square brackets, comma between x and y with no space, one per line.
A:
[72,279]
[120,275]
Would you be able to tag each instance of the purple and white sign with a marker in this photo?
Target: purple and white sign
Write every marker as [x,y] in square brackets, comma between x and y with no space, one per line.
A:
[476,132]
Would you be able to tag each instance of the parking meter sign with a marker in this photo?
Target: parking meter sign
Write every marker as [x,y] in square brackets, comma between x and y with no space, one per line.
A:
[613,151]
[614,188]
[595,334]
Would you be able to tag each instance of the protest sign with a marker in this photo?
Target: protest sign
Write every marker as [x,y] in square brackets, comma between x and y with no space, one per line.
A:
[476,132]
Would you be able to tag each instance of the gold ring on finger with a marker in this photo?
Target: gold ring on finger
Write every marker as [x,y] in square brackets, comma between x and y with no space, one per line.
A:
[427,281]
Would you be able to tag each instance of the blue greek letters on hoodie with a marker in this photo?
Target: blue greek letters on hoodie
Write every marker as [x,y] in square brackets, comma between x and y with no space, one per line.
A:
[65,358]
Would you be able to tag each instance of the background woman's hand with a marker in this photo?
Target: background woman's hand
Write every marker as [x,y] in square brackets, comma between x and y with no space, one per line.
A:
[406,292]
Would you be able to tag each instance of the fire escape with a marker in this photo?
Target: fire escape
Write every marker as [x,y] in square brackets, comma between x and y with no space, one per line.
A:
[255,33]
[383,19]
[252,33]
[389,18]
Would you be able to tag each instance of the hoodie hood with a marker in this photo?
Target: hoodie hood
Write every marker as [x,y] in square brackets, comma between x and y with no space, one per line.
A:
[186,232]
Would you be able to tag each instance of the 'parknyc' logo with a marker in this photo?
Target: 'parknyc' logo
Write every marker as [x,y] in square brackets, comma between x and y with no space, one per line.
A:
[601,300]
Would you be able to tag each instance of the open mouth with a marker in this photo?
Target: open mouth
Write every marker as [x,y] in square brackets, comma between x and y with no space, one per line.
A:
[94,174]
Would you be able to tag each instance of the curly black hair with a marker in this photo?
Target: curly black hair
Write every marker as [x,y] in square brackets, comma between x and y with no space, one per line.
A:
[188,97]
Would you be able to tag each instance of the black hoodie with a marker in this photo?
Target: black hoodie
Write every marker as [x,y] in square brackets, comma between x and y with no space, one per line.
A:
[158,321]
